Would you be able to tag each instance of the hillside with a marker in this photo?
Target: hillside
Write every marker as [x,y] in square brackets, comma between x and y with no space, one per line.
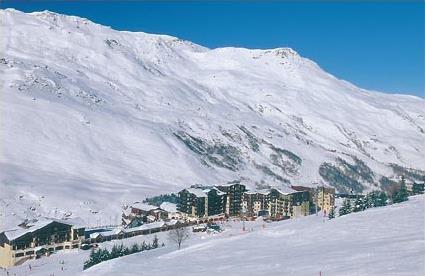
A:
[379,241]
[93,118]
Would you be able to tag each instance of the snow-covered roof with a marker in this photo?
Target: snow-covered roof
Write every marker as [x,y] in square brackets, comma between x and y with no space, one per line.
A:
[172,222]
[230,183]
[126,212]
[207,190]
[285,190]
[95,235]
[197,192]
[146,226]
[144,207]
[31,227]
[263,192]
[168,207]
[151,218]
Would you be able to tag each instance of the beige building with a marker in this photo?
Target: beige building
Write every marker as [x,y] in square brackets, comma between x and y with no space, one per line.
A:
[288,203]
[325,198]
[33,240]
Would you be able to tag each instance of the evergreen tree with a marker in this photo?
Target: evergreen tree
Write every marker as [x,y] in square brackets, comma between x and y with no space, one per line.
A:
[126,251]
[381,200]
[369,200]
[143,247]
[115,252]
[93,259]
[331,214]
[402,193]
[135,248]
[359,204]
[155,242]
[104,255]
[345,208]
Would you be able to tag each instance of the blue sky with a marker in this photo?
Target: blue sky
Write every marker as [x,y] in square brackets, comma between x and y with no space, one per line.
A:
[374,45]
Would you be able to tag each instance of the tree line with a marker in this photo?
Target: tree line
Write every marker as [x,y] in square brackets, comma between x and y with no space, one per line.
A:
[100,255]
[396,194]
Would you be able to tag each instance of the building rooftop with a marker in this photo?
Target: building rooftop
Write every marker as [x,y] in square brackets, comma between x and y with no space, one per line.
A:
[262,191]
[197,192]
[285,190]
[144,207]
[169,207]
[31,227]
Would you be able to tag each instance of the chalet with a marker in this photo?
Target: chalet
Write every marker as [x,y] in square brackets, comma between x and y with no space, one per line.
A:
[140,213]
[144,210]
[34,239]
[234,197]
[171,209]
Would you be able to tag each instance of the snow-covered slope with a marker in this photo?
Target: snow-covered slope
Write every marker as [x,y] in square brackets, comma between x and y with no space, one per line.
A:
[380,241]
[93,118]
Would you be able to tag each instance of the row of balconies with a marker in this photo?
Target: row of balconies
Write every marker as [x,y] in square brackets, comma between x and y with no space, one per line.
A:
[31,251]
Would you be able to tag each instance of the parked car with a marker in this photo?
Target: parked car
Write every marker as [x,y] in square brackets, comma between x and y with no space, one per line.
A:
[86,246]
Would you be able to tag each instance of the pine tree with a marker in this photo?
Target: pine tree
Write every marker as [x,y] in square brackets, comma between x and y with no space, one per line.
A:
[402,194]
[381,200]
[93,259]
[331,213]
[126,251]
[345,208]
[359,205]
[121,250]
[143,247]
[369,200]
[115,252]
[104,255]
[135,248]
[155,242]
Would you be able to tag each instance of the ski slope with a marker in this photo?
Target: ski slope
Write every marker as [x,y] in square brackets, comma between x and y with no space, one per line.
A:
[380,241]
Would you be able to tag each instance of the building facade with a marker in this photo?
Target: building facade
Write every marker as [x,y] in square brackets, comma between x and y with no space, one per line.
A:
[255,203]
[193,202]
[288,203]
[35,239]
[202,202]
[325,198]
[140,213]
[234,197]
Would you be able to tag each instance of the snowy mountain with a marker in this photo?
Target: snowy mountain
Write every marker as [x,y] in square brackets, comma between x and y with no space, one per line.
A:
[93,118]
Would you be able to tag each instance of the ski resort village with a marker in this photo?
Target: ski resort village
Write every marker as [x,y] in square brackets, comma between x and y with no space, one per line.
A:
[199,208]
[130,153]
